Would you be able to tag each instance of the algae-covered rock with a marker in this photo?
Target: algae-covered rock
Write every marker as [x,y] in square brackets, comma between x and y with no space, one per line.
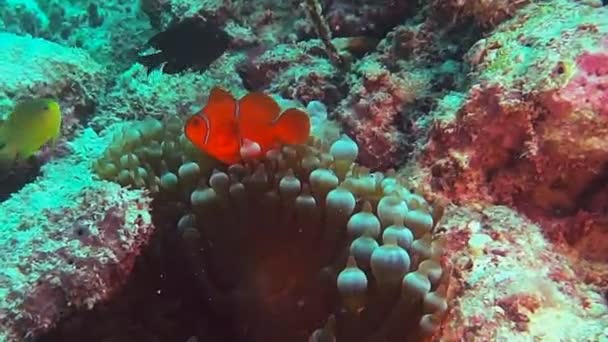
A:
[137,95]
[533,125]
[111,31]
[34,67]
[68,250]
[514,286]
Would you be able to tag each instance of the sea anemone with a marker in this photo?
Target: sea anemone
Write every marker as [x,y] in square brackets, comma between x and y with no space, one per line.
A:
[303,244]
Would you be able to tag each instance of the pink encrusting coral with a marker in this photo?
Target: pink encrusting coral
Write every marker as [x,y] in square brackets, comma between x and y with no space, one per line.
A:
[517,143]
[588,88]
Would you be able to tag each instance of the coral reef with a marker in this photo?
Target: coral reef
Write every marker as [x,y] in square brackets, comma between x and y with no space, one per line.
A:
[264,21]
[38,69]
[536,108]
[528,134]
[485,13]
[512,284]
[273,212]
[484,103]
[160,302]
[314,11]
[67,251]
[136,95]
[371,112]
[356,18]
[299,71]
[111,32]
[378,114]
[391,91]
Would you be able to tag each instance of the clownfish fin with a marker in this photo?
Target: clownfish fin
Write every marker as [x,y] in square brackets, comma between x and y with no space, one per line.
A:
[258,109]
[257,114]
[292,127]
[220,106]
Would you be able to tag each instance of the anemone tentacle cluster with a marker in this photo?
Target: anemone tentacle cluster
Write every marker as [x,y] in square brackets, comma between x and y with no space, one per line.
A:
[299,240]
[147,154]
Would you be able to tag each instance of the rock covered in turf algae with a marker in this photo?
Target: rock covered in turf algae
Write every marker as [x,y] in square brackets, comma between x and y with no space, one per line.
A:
[513,285]
[487,14]
[67,241]
[110,31]
[137,95]
[529,133]
[32,67]
[537,108]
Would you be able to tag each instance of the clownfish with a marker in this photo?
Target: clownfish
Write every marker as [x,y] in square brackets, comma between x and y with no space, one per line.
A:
[228,129]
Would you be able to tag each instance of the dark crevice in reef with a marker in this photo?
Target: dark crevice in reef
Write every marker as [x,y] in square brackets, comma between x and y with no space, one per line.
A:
[593,196]
[161,301]
[15,178]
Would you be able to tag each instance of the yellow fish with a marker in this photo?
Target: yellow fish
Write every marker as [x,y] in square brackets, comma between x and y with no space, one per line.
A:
[31,125]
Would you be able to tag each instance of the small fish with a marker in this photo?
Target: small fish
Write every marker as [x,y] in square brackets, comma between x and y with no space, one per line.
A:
[227,128]
[193,43]
[32,124]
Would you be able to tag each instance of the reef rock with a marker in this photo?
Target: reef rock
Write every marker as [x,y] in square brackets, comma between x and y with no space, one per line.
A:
[67,241]
[110,31]
[531,130]
[510,284]
[34,67]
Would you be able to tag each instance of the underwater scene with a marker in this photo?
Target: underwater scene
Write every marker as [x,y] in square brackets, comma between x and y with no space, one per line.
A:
[303,170]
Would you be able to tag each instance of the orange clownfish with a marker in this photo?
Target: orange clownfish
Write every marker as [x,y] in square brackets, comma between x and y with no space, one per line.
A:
[228,129]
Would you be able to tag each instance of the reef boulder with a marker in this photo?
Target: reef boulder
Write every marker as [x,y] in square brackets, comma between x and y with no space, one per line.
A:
[531,130]
[67,251]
